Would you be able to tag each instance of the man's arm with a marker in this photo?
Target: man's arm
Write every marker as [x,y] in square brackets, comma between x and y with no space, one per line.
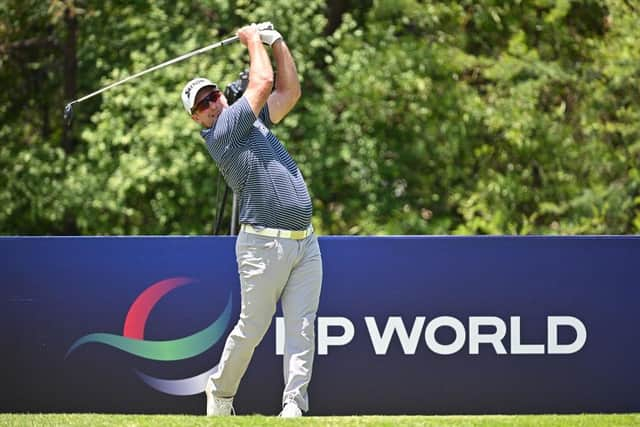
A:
[260,70]
[287,91]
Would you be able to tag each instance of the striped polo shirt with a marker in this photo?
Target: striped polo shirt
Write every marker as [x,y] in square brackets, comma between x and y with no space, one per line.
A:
[270,187]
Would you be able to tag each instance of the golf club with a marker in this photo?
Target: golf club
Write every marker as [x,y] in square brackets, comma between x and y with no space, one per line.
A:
[68,109]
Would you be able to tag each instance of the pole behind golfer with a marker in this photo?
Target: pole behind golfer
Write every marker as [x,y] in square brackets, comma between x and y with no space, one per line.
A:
[277,251]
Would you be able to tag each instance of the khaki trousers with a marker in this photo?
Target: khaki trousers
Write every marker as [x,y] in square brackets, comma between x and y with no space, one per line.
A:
[273,269]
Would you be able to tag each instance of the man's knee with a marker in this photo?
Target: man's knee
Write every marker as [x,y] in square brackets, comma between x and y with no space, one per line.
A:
[302,325]
[251,331]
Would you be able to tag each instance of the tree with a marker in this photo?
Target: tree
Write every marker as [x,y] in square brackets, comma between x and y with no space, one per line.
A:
[417,117]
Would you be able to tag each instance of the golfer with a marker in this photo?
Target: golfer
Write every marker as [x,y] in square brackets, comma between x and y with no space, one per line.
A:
[277,251]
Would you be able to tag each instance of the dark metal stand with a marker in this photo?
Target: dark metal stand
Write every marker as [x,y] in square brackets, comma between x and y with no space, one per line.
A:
[233,228]
[234,216]
[220,210]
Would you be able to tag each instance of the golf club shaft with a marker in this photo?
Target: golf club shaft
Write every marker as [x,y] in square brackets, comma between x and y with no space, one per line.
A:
[159,66]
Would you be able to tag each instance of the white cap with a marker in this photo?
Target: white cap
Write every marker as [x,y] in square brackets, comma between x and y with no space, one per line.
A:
[191,89]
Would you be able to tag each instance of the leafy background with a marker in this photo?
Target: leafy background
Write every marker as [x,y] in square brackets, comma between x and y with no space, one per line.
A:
[417,117]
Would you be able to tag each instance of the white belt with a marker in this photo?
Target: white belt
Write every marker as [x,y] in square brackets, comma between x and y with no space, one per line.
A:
[276,232]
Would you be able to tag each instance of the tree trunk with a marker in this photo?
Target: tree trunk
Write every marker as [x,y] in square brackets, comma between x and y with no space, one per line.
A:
[70,70]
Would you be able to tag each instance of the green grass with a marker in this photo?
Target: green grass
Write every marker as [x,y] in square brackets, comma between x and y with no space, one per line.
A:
[96,420]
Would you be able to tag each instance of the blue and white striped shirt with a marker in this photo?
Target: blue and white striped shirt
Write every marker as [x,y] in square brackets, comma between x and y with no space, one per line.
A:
[270,187]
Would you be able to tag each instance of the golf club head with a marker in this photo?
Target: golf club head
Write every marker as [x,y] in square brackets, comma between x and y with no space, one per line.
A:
[68,114]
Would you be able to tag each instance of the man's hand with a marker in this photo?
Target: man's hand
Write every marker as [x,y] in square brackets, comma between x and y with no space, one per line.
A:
[248,34]
[269,37]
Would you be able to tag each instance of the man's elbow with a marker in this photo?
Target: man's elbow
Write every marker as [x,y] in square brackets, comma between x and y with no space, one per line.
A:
[292,95]
[297,93]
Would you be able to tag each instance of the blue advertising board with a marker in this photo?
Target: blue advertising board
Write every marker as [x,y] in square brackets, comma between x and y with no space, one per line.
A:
[406,325]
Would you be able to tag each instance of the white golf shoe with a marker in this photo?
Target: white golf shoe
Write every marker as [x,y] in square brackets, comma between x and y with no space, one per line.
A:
[218,406]
[290,410]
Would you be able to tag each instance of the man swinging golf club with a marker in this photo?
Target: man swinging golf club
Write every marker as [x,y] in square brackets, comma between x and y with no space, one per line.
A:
[277,251]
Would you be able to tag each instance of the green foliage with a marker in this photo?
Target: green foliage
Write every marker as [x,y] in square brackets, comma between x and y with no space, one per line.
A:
[417,117]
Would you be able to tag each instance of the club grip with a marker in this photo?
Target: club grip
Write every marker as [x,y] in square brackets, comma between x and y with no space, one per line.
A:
[267,25]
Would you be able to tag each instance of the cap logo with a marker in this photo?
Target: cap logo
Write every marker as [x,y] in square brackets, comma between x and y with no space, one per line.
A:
[189,88]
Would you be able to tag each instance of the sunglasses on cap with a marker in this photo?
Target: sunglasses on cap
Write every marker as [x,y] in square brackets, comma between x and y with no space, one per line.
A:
[204,102]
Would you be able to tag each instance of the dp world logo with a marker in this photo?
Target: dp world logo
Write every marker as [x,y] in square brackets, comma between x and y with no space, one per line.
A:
[132,340]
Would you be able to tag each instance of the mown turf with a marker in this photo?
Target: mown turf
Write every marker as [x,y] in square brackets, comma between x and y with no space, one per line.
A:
[584,420]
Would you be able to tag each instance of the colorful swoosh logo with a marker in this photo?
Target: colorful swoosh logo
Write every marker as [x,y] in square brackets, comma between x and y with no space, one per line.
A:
[132,340]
